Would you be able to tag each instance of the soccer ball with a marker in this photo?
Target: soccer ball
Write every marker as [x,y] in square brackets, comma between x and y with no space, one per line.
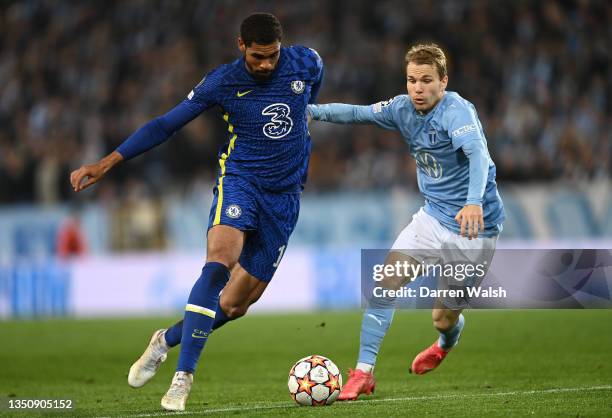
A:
[314,380]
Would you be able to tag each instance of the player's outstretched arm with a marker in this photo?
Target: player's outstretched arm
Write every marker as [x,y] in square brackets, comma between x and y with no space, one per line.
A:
[378,114]
[146,137]
[89,174]
[339,113]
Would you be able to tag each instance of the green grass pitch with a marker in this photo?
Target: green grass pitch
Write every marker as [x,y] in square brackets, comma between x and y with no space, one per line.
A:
[509,363]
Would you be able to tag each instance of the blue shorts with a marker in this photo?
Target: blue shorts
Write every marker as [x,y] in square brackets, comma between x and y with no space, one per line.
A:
[267,218]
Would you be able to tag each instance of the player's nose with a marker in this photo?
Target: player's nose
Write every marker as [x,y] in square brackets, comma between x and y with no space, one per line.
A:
[266,65]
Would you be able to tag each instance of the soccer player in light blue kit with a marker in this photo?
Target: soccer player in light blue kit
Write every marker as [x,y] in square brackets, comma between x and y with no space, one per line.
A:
[262,170]
[456,176]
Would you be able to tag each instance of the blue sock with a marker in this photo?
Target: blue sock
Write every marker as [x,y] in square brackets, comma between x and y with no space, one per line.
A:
[220,319]
[174,333]
[374,326]
[450,338]
[200,313]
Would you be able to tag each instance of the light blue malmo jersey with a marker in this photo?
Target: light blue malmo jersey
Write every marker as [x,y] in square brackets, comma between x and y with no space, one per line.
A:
[435,140]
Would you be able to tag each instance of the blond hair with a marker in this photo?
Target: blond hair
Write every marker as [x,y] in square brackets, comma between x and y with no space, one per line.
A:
[430,54]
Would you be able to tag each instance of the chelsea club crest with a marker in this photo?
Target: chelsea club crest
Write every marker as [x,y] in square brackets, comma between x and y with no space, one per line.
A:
[298,86]
[233,211]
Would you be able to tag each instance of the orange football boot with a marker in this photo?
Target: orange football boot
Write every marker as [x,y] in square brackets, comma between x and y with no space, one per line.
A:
[358,382]
[428,359]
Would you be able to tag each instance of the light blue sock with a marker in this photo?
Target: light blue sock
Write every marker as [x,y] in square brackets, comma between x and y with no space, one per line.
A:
[450,338]
[374,326]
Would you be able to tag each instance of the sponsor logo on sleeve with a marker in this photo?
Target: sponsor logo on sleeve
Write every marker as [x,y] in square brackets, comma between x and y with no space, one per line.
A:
[464,130]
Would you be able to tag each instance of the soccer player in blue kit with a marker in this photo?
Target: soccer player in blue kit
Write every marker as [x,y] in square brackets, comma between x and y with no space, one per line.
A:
[456,175]
[262,170]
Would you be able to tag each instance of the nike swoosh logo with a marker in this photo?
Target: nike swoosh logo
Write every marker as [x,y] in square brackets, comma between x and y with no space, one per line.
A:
[243,93]
[194,335]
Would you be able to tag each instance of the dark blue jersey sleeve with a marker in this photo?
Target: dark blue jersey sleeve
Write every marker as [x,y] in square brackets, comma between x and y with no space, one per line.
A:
[157,131]
[318,78]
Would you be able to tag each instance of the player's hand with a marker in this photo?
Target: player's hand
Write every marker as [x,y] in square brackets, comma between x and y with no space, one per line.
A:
[471,220]
[90,174]
[85,176]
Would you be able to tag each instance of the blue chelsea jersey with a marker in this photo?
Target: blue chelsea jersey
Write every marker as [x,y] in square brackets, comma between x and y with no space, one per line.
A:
[268,141]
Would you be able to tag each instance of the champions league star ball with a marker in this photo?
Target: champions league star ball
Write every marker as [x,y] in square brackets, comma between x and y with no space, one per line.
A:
[314,380]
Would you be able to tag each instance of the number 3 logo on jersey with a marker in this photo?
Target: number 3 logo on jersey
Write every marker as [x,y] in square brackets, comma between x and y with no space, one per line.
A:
[281,123]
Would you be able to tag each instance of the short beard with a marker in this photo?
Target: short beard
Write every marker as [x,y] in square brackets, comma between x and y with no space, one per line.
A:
[261,77]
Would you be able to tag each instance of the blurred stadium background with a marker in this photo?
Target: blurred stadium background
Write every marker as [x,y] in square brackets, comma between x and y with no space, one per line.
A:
[76,78]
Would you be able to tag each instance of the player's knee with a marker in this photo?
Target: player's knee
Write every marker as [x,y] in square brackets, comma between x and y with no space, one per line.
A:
[220,254]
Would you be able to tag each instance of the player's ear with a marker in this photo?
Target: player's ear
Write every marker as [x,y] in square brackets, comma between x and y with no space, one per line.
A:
[444,83]
[241,45]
